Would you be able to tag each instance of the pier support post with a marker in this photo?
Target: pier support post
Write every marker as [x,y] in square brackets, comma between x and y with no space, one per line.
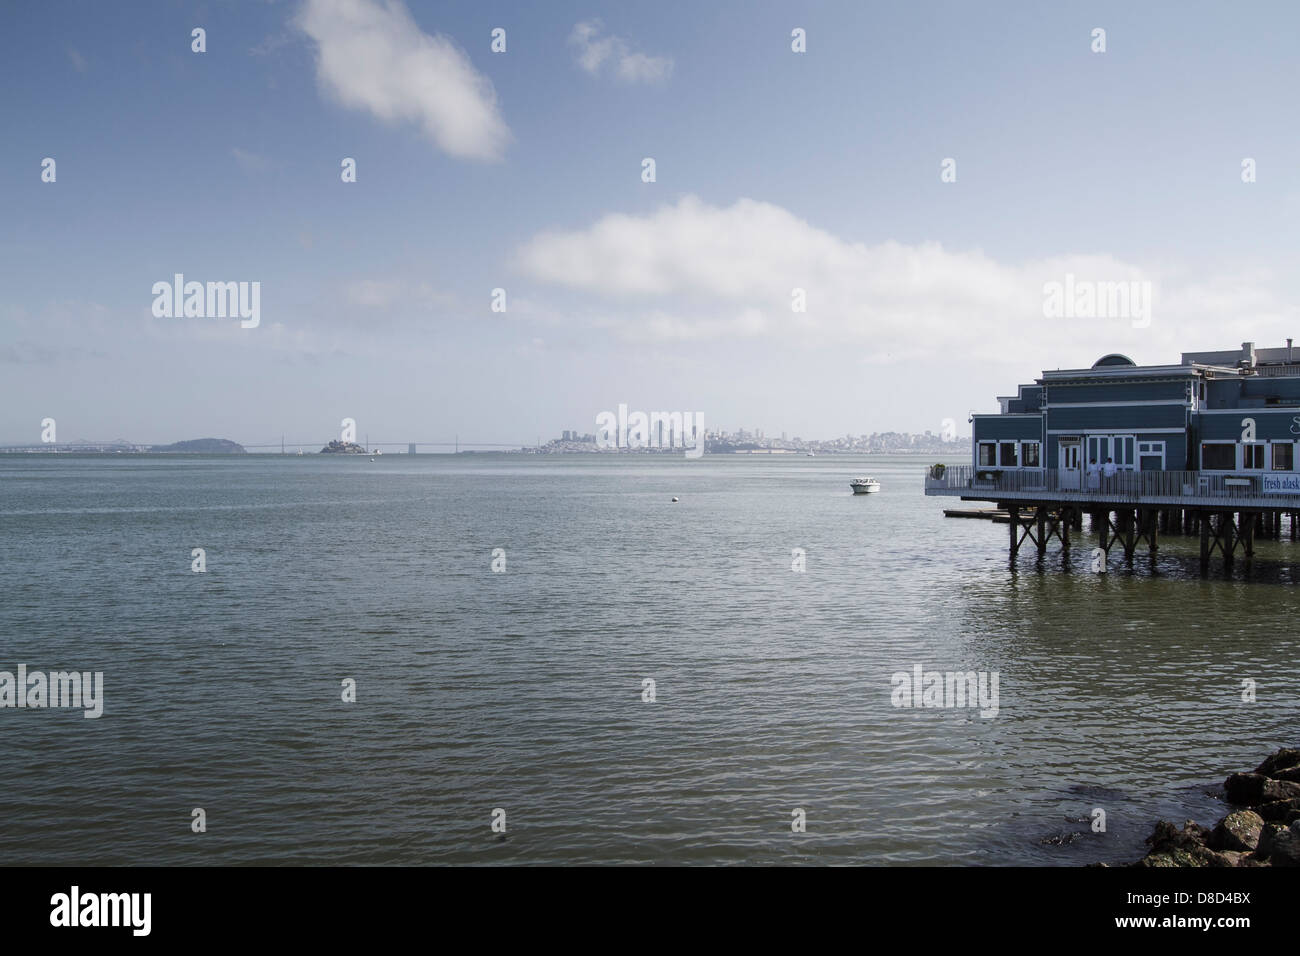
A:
[1148,522]
[1205,543]
[1126,532]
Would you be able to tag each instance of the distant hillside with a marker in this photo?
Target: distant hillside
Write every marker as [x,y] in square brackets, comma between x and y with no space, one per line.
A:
[202,446]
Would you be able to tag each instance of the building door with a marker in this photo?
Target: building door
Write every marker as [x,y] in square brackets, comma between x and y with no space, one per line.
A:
[1069,459]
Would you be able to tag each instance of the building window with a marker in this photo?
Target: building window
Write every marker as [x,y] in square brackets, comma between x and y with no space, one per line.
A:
[1029,454]
[1118,448]
[988,454]
[1283,455]
[1218,456]
[1008,455]
[1252,456]
[1151,455]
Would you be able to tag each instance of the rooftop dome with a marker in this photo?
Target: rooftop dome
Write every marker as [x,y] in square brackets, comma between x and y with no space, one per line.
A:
[1114,358]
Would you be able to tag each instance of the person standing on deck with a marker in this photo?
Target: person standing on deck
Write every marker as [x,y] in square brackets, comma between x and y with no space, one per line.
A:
[1108,472]
[1094,475]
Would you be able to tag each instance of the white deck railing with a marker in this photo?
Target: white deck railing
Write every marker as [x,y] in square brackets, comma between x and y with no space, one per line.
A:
[1131,487]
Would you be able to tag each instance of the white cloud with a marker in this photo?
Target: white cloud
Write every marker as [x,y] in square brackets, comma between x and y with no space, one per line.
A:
[695,271]
[595,50]
[373,56]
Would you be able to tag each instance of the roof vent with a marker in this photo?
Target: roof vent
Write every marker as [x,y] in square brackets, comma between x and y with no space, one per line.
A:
[1247,359]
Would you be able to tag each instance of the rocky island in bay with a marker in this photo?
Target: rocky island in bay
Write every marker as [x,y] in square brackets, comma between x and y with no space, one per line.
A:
[343,448]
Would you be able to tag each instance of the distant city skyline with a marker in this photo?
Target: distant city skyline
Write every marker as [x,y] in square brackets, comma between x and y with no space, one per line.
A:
[739,434]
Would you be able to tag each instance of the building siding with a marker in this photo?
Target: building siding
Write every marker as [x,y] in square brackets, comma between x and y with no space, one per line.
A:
[1252,392]
[1117,392]
[1115,418]
[1269,426]
[1007,428]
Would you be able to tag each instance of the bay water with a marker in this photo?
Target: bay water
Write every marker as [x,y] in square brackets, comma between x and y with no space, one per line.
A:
[524,689]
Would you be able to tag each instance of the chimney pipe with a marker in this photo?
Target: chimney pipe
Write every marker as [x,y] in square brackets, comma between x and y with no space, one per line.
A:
[1248,354]
[1288,351]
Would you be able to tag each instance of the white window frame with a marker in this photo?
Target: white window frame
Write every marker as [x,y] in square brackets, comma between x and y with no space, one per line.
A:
[1151,448]
[980,444]
[1108,444]
[1279,444]
[1039,445]
[1241,455]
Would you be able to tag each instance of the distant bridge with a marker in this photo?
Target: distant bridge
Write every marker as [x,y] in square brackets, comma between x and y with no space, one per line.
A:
[286,446]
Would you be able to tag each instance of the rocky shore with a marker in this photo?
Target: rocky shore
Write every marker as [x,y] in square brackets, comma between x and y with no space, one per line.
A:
[1265,831]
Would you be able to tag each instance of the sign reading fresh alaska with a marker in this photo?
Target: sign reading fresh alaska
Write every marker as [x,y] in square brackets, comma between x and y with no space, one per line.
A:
[652,430]
[1279,484]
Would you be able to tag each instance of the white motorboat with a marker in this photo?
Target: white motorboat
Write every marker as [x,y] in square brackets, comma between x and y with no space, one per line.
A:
[864,486]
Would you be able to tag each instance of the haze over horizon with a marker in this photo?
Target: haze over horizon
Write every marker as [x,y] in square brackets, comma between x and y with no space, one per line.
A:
[522,170]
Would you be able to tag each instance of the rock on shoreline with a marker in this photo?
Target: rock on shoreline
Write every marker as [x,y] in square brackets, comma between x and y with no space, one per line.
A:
[1264,832]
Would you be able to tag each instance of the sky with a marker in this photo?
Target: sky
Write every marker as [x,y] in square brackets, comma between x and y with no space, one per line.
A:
[921,172]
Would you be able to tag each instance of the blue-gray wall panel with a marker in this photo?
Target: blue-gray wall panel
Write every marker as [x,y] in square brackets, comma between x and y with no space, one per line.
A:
[1023,429]
[1117,418]
[1122,391]
[1269,425]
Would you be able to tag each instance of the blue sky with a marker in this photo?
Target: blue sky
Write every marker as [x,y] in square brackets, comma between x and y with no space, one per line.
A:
[522,170]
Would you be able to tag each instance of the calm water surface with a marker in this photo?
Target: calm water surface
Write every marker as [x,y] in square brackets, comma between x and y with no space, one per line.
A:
[522,690]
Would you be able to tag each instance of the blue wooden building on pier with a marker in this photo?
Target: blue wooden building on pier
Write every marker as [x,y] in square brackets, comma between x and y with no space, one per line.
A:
[1207,445]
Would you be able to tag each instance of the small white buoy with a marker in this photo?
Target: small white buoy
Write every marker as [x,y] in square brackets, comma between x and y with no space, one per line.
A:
[674,499]
[372,459]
